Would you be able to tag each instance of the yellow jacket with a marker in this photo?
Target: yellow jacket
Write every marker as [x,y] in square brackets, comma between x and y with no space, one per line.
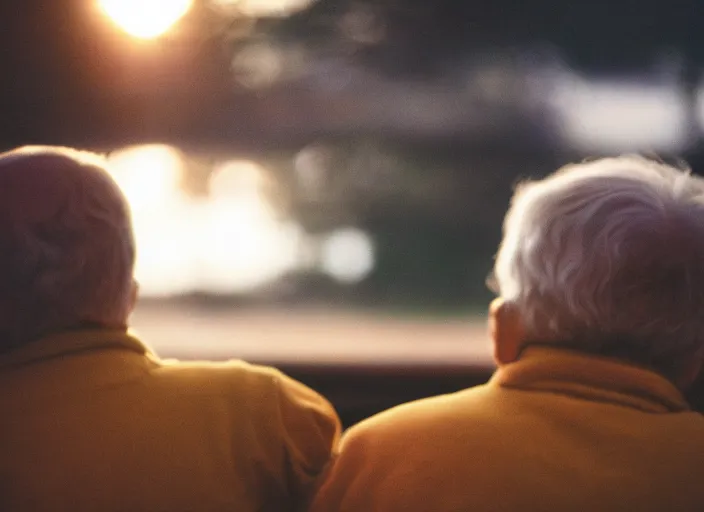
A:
[555,431]
[92,421]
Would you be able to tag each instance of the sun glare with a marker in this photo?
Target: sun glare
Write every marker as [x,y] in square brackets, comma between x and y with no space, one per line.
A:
[237,178]
[145,19]
[233,240]
[248,245]
[263,7]
[149,175]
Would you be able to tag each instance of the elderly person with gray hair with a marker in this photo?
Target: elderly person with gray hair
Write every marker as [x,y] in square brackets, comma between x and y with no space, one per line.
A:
[598,330]
[90,418]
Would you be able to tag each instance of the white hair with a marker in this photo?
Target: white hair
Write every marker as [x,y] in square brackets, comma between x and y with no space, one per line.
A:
[66,244]
[608,256]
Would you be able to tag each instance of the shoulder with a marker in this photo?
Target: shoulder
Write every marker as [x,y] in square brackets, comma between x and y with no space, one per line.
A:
[236,382]
[388,453]
[299,421]
[421,417]
[216,374]
[256,385]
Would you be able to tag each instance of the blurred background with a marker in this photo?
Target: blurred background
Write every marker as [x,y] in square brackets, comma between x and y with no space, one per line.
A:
[322,183]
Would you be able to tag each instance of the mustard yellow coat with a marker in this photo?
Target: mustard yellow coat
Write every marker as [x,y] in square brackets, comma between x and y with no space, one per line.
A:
[92,421]
[555,431]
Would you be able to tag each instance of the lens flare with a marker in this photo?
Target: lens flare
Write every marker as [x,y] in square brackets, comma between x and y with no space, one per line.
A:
[145,19]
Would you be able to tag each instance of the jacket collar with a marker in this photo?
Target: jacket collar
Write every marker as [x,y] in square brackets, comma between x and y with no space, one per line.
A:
[591,378]
[72,342]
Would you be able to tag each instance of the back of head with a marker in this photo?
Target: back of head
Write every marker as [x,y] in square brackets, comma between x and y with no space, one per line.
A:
[66,244]
[608,257]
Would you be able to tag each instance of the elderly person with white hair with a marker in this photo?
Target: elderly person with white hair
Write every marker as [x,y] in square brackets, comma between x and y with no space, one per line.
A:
[90,418]
[598,330]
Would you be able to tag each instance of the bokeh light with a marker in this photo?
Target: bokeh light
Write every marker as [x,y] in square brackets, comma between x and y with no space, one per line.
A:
[232,240]
[238,178]
[257,8]
[167,254]
[620,116]
[248,245]
[347,255]
[258,65]
[149,175]
[312,166]
[246,248]
[145,19]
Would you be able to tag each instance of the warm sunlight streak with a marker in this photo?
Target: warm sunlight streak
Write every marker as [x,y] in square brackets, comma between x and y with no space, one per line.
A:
[263,7]
[145,19]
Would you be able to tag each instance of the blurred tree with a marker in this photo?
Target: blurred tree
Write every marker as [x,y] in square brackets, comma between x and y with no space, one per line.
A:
[420,36]
[58,59]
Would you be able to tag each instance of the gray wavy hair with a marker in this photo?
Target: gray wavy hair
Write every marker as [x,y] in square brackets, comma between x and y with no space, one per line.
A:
[608,256]
[66,244]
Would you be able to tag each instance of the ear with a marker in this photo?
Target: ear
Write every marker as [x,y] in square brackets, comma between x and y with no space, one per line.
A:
[506,331]
[134,293]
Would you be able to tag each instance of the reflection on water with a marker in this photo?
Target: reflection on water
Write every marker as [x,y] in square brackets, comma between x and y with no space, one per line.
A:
[233,239]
